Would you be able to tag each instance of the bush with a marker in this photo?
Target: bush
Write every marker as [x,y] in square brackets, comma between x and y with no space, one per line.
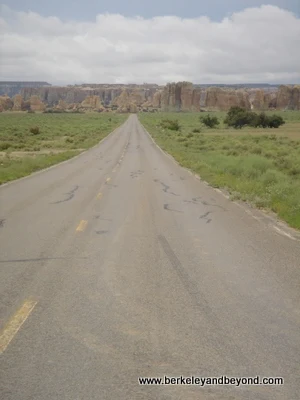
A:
[259,121]
[275,121]
[210,122]
[4,146]
[173,125]
[238,117]
[196,130]
[53,111]
[35,130]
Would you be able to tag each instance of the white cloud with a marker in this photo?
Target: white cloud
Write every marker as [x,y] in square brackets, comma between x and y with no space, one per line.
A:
[255,45]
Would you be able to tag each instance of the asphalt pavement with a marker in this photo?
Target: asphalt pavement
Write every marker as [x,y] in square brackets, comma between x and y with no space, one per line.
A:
[120,264]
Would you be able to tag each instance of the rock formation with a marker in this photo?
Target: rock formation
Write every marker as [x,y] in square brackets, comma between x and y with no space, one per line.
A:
[62,105]
[296,97]
[18,103]
[261,100]
[11,88]
[223,99]
[36,104]
[288,98]
[156,101]
[92,103]
[180,96]
[6,103]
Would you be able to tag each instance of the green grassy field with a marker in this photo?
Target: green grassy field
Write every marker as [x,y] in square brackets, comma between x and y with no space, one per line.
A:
[260,166]
[58,138]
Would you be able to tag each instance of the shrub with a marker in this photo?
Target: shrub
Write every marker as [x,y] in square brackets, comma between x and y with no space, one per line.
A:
[4,146]
[173,125]
[270,177]
[275,121]
[210,122]
[53,111]
[238,117]
[259,120]
[35,130]
[196,130]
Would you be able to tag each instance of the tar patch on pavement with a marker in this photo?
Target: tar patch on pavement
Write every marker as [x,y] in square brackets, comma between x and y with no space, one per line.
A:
[69,195]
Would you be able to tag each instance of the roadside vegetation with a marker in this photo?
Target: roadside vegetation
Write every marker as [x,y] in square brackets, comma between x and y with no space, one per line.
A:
[257,165]
[238,118]
[31,141]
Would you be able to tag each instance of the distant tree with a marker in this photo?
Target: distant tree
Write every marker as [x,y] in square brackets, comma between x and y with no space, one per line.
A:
[260,121]
[238,117]
[210,122]
[275,121]
[173,125]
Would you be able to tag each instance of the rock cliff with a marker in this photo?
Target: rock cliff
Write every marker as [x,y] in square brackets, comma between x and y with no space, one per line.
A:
[36,104]
[288,98]
[223,99]
[19,104]
[180,96]
[6,103]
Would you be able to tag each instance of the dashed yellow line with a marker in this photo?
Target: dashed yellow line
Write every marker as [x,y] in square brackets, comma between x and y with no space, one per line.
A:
[15,323]
[99,196]
[82,225]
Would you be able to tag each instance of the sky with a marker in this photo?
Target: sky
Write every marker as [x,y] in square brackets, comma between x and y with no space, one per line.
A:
[118,41]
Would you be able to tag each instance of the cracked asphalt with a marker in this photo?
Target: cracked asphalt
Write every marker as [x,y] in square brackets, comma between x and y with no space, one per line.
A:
[120,264]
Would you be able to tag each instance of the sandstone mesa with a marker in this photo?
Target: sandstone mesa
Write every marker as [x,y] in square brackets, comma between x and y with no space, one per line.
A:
[180,96]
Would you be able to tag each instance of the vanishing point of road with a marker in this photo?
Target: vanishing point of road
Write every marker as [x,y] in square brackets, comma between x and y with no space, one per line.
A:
[120,264]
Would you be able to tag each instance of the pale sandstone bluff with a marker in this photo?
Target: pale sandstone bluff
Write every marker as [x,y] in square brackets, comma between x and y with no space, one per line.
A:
[180,96]
[92,103]
[128,101]
[19,104]
[6,103]
[288,98]
[36,104]
[223,99]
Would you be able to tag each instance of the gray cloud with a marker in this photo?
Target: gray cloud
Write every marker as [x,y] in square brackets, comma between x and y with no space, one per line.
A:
[254,45]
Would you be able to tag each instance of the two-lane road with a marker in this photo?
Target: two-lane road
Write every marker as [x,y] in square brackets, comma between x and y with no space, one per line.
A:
[119,264]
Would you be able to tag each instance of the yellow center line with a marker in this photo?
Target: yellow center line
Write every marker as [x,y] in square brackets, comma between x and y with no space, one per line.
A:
[99,196]
[82,225]
[15,323]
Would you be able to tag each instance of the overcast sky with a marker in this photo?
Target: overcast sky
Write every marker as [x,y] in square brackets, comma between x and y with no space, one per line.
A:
[118,41]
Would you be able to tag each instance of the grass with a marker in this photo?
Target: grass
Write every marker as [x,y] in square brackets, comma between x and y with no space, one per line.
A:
[30,142]
[259,166]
